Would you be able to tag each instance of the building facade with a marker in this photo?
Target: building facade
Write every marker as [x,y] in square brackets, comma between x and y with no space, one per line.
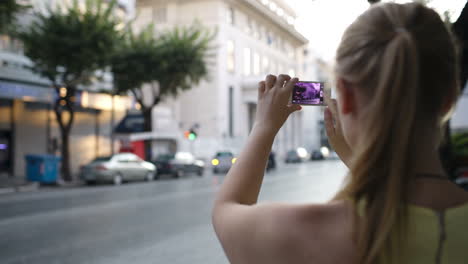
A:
[254,38]
[27,120]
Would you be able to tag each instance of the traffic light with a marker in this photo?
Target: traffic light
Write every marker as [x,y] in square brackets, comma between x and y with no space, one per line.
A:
[192,135]
[186,134]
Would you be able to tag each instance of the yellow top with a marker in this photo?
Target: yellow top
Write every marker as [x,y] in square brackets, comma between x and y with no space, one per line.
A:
[439,237]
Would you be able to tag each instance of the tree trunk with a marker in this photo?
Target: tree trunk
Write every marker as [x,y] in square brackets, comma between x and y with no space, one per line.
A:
[65,168]
[65,104]
[148,127]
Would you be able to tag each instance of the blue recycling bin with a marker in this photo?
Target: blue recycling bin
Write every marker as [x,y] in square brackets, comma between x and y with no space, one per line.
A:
[42,168]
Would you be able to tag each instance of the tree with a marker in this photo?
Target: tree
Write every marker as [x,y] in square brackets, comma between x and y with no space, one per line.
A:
[165,65]
[8,11]
[68,45]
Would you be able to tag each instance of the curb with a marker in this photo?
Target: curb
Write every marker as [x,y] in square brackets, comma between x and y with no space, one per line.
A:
[20,188]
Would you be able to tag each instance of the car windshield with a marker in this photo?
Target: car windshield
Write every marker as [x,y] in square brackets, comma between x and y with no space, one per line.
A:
[102,159]
[165,157]
[224,154]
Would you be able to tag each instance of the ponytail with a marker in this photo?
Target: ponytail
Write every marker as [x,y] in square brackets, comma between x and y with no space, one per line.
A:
[380,53]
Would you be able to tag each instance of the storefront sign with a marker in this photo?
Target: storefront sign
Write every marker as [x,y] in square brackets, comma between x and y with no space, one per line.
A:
[26,92]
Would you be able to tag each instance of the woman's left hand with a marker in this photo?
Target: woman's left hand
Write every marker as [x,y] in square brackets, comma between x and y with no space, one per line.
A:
[273,106]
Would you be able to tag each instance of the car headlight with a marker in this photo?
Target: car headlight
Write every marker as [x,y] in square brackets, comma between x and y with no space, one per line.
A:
[325,151]
[234,160]
[215,162]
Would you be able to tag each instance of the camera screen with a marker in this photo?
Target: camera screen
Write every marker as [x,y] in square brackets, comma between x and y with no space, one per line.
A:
[308,93]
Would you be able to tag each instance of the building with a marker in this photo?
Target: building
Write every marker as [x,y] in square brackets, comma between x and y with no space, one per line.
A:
[27,121]
[254,38]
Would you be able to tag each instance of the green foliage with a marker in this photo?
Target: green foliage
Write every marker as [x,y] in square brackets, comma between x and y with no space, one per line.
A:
[183,61]
[8,10]
[176,59]
[460,144]
[67,45]
[135,61]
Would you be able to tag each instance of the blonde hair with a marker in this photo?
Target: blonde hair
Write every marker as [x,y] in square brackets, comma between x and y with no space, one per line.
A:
[402,59]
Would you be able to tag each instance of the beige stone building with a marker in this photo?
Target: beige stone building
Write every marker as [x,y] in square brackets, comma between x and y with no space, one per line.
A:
[254,38]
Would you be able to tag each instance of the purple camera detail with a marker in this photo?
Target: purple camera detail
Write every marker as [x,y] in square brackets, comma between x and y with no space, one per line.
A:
[308,93]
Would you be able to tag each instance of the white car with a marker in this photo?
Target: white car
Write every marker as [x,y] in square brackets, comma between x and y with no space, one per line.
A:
[117,169]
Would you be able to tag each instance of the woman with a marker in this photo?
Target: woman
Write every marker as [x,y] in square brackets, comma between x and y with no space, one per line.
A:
[396,80]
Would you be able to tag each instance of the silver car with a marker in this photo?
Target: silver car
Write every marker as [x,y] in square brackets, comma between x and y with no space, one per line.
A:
[117,169]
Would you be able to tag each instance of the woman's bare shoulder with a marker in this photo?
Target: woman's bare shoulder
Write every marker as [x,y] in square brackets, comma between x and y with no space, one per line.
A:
[312,230]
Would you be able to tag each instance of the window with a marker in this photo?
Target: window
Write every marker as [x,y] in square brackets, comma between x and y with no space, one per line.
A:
[247,62]
[270,39]
[248,26]
[256,32]
[145,15]
[266,65]
[5,42]
[231,56]
[160,15]
[231,111]
[231,16]
[256,64]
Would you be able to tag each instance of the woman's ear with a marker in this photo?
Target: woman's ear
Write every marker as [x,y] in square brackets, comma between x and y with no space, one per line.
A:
[347,98]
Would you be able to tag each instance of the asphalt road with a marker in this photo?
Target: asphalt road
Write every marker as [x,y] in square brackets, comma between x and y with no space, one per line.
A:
[166,221]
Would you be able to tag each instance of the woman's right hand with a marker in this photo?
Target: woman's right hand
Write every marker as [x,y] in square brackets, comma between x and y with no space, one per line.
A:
[335,132]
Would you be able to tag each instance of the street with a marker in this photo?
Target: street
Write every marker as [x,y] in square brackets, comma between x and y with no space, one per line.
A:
[165,221]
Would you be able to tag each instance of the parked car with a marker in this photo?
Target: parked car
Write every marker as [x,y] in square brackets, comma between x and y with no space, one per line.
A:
[222,161]
[316,155]
[271,164]
[179,164]
[117,169]
[292,157]
[462,177]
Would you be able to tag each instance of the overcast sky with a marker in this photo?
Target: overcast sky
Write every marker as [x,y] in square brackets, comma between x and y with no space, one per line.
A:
[324,21]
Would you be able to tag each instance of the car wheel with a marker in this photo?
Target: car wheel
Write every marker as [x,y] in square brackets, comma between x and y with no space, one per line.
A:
[200,173]
[117,180]
[90,182]
[149,176]
[178,173]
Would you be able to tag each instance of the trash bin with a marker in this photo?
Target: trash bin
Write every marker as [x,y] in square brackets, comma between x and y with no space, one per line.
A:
[42,168]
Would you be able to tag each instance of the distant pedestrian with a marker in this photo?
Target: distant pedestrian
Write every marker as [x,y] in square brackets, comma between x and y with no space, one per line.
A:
[396,72]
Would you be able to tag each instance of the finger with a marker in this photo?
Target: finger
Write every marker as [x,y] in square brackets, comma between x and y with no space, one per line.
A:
[333,107]
[288,88]
[270,82]
[293,108]
[327,96]
[282,78]
[261,88]
[329,123]
[336,114]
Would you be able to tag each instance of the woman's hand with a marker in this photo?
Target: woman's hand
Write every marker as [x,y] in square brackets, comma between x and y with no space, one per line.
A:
[335,132]
[273,106]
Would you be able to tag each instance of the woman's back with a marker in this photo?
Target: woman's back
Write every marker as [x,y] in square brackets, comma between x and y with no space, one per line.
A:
[437,229]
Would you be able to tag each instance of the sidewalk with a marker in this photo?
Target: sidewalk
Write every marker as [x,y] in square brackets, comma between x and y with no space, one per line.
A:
[10,184]
[17,184]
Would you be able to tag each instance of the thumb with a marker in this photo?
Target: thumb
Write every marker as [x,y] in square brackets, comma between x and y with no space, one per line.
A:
[293,108]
